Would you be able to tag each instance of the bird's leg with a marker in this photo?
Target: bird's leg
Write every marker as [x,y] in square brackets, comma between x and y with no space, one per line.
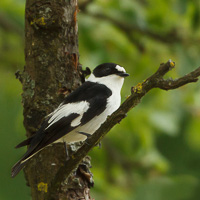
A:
[87,135]
[66,151]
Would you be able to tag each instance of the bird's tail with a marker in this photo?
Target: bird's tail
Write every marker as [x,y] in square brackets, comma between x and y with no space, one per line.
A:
[17,167]
[20,164]
[25,142]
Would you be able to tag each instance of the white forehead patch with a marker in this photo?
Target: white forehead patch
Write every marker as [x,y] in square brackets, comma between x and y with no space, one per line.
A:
[120,69]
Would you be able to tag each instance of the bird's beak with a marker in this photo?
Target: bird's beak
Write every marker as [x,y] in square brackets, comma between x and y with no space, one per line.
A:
[123,74]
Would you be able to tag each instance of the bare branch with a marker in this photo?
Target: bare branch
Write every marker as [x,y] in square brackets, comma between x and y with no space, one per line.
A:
[173,84]
[140,90]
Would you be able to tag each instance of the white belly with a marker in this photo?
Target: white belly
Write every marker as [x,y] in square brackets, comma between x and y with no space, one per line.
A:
[90,127]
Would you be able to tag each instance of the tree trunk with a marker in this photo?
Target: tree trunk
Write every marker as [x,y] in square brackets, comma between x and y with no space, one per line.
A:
[51,71]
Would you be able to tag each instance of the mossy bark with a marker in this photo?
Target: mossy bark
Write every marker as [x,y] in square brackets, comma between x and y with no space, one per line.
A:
[51,72]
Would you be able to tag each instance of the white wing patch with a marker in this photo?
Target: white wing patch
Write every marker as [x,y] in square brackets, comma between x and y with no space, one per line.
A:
[120,69]
[76,121]
[67,109]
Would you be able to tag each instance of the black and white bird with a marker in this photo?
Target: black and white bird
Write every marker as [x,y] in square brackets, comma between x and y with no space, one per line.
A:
[80,114]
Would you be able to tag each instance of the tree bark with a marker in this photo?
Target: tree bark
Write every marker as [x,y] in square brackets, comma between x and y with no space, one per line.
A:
[51,72]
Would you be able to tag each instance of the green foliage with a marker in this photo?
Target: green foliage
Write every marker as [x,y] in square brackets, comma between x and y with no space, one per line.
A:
[154,153]
[12,131]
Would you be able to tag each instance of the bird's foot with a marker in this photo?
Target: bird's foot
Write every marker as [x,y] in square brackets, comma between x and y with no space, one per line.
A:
[99,145]
[87,135]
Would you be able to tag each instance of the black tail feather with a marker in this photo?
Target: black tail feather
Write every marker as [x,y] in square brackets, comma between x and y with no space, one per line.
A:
[25,142]
[17,167]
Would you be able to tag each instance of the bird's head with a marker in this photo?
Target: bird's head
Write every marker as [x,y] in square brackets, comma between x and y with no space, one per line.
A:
[109,69]
[110,74]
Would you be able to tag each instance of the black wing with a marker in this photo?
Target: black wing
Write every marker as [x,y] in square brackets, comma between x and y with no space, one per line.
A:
[95,94]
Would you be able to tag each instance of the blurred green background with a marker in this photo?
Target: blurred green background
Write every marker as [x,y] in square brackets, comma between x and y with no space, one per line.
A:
[154,154]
